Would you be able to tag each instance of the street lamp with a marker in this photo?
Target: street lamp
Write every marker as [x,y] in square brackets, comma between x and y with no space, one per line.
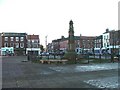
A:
[31,48]
[46,41]
[106,49]
[113,42]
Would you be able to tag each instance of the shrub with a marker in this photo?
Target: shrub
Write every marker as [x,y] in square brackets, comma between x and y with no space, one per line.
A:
[70,56]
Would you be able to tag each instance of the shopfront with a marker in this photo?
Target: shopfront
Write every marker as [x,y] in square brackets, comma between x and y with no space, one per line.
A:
[7,51]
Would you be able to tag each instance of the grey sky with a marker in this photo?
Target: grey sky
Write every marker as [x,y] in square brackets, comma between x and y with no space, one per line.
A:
[51,17]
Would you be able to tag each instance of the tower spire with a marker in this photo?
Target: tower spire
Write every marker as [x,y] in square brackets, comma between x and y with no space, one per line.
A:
[71,54]
[71,28]
[71,37]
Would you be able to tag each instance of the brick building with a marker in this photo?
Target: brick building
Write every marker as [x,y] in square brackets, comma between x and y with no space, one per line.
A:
[86,44]
[13,43]
[115,41]
[49,47]
[56,45]
[82,44]
[33,44]
[98,44]
[111,41]
[64,44]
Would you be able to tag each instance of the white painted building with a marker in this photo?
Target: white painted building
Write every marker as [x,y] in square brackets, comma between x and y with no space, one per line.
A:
[111,41]
[106,42]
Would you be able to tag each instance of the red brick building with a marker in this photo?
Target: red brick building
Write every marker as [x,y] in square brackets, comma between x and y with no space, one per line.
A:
[64,44]
[98,44]
[115,41]
[17,41]
[86,44]
[56,45]
[82,44]
[33,44]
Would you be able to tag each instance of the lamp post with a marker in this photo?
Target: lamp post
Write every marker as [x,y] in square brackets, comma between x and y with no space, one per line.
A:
[31,48]
[106,49]
[83,48]
[93,48]
[46,42]
[100,54]
[113,42]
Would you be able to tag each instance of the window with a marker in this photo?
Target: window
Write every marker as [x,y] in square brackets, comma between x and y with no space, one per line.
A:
[35,41]
[77,50]
[17,38]
[21,38]
[104,37]
[5,44]
[11,38]
[17,45]
[95,41]
[6,38]
[21,45]
[99,40]
[107,37]
[11,44]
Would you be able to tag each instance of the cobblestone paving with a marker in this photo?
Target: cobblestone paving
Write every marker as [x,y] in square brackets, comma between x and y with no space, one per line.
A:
[108,82]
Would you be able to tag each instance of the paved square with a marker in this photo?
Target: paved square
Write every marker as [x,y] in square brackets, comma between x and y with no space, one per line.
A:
[18,74]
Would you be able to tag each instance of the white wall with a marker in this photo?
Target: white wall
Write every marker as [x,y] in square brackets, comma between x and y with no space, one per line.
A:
[106,38]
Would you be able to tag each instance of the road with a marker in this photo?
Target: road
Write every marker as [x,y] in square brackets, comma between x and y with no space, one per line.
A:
[18,74]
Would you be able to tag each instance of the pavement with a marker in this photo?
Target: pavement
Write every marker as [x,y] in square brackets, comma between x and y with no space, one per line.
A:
[18,74]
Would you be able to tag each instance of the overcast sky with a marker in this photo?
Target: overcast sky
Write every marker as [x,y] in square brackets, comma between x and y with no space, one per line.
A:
[51,17]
